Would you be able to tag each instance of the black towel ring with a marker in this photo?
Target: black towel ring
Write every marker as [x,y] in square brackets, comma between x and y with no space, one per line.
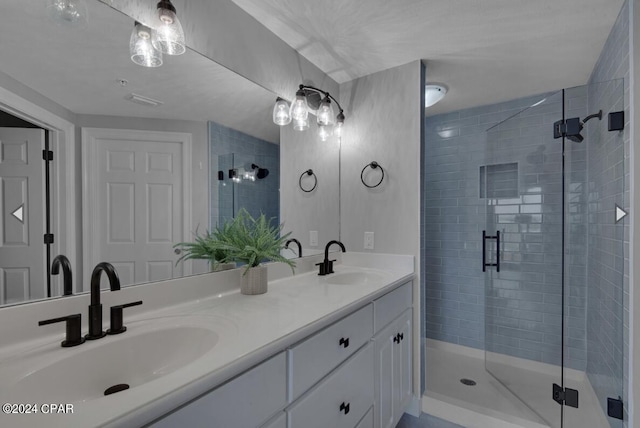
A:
[373,165]
[315,181]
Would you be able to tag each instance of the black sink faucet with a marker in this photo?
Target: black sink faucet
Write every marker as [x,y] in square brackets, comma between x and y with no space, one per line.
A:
[294,240]
[95,308]
[326,267]
[63,261]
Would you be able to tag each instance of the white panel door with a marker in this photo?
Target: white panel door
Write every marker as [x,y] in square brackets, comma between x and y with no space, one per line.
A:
[22,249]
[138,205]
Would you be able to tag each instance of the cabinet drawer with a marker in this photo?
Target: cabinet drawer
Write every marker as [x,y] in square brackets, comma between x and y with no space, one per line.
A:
[391,305]
[246,401]
[341,399]
[314,358]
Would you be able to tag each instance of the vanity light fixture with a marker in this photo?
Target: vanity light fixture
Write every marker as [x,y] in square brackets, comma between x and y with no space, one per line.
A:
[141,49]
[314,99]
[168,35]
[72,13]
[433,93]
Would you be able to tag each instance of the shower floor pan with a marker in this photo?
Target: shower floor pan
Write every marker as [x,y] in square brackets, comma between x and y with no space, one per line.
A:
[488,404]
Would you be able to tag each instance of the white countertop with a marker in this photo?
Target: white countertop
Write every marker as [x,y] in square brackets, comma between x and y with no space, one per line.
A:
[250,329]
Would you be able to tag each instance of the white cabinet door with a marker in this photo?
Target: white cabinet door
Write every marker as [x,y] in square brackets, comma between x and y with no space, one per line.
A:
[393,365]
[384,377]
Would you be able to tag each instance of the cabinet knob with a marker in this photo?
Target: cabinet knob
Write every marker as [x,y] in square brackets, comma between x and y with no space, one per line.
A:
[344,407]
[344,342]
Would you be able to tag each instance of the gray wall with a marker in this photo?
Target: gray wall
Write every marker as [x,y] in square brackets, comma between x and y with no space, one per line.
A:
[384,123]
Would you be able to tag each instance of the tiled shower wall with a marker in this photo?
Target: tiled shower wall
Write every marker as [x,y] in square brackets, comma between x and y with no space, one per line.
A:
[608,243]
[524,306]
[260,196]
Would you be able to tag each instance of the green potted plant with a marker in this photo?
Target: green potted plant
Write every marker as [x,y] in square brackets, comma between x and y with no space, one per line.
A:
[251,241]
[207,247]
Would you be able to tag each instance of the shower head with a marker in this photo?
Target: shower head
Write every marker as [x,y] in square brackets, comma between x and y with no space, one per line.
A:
[576,138]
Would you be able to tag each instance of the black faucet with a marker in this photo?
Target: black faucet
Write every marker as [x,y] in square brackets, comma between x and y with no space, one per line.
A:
[326,267]
[95,308]
[286,245]
[61,260]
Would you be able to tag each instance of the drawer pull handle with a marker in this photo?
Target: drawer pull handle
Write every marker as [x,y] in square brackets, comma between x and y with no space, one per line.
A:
[344,408]
[344,342]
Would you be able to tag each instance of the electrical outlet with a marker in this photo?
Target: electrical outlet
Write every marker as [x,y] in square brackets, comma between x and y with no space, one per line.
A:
[313,238]
[368,240]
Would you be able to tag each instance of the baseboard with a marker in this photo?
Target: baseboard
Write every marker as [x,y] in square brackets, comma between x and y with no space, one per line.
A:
[414,407]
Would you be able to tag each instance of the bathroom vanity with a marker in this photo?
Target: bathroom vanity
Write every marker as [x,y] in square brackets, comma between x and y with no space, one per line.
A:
[313,351]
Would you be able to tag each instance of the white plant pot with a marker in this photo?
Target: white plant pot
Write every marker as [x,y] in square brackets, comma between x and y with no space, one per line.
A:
[254,281]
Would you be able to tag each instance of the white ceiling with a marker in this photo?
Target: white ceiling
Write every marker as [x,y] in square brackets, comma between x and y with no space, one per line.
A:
[79,69]
[484,51]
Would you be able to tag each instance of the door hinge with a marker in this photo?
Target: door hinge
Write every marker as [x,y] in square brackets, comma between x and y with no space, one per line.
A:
[48,238]
[570,128]
[47,155]
[568,396]
[615,408]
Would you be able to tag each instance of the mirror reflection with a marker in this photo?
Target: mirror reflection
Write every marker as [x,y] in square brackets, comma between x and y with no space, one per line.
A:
[133,154]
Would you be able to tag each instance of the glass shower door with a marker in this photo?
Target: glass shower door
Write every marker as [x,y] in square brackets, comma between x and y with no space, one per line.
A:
[521,183]
[553,182]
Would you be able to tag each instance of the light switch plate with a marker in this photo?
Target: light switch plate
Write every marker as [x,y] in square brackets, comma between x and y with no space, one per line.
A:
[313,238]
[368,240]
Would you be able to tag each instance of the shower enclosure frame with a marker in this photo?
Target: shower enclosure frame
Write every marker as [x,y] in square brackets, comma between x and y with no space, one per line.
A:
[533,243]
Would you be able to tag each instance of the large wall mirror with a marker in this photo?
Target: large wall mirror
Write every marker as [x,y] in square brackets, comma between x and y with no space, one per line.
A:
[137,159]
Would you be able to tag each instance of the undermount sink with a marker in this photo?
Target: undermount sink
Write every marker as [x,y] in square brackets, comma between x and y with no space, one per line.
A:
[354,278]
[131,359]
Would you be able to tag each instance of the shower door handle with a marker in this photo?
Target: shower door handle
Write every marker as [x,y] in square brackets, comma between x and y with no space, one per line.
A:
[484,251]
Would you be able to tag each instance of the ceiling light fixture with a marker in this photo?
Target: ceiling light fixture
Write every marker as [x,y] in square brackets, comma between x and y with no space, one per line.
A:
[141,49]
[314,99]
[168,36]
[72,13]
[433,93]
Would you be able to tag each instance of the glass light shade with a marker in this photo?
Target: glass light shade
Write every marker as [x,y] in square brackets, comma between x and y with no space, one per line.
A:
[325,132]
[168,36]
[326,115]
[281,112]
[141,49]
[301,124]
[71,13]
[339,124]
[299,110]
[433,94]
